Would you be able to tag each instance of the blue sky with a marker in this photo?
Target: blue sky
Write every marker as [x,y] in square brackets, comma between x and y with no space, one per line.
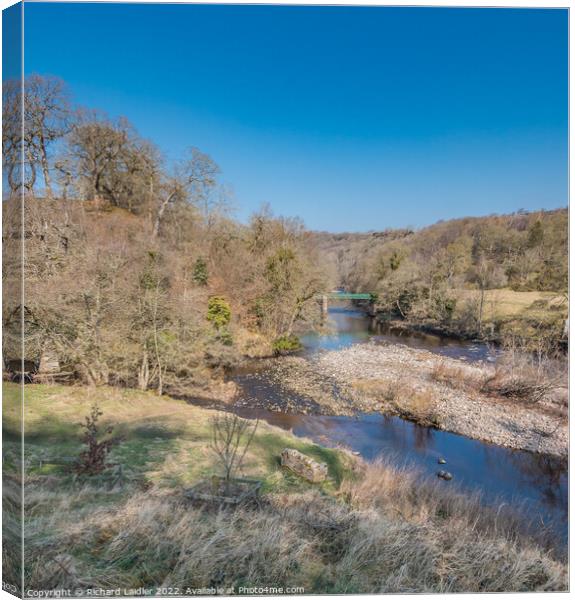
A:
[351,118]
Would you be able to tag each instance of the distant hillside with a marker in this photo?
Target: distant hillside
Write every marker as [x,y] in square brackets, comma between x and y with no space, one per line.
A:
[350,257]
[439,275]
[343,253]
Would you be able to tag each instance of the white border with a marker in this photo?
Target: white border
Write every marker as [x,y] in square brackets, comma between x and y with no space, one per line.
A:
[422,3]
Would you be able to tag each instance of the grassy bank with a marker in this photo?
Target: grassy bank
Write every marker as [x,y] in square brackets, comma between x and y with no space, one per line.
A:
[164,441]
[532,319]
[501,304]
[369,528]
[509,311]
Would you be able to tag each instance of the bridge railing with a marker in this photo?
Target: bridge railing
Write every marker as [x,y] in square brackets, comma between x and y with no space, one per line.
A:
[348,296]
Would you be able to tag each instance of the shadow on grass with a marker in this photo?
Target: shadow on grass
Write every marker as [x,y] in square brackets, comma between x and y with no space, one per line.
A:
[50,430]
[148,431]
[54,445]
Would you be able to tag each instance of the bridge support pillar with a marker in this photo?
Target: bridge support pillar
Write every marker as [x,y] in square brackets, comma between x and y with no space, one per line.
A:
[324,306]
[371,309]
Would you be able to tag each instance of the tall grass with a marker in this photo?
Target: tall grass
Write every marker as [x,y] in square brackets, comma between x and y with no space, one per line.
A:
[530,378]
[382,533]
[371,528]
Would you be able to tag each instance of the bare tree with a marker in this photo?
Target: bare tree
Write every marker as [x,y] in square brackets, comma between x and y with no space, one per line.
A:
[192,181]
[482,274]
[64,176]
[47,118]
[19,152]
[113,162]
[95,145]
[231,438]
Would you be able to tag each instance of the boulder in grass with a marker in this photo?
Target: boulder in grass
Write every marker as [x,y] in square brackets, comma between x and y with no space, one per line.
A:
[303,465]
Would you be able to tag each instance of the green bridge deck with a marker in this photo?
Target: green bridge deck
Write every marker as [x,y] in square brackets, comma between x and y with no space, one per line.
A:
[348,296]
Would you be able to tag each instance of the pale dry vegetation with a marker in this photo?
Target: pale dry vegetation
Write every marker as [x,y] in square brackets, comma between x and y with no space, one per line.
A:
[518,375]
[528,380]
[400,397]
[419,406]
[369,528]
[382,533]
[456,376]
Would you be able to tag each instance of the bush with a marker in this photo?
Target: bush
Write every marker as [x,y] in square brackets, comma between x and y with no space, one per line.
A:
[231,438]
[219,312]
[456,376]
[93,460]
[286,344]
[200,273]
[445,308]
[225,337]
[419,407]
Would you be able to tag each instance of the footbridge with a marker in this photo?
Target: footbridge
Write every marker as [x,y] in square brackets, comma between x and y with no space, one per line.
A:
[342,296]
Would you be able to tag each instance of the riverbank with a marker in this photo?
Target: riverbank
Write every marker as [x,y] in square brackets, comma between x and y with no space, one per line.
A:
[506,313]
[419,385]
[370,528]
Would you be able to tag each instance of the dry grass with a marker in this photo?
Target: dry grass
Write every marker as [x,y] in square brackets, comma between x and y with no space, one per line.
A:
[517,386]
[370,529]
[455,376]
[505,303]
[525,377]
[418,406]
[399,397]
[384,533]
[520,376]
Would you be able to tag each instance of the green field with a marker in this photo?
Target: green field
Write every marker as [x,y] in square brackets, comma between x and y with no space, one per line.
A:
[505,303]
[164,441]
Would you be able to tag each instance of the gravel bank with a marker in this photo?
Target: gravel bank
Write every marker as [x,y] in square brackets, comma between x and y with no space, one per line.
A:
[436,389]
[459,407]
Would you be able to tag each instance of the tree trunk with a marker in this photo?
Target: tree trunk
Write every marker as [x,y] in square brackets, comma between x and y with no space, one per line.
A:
[45,169]
[399,308]
[159,216]
[95,374]
[156,345]
[480,320]
[144,372]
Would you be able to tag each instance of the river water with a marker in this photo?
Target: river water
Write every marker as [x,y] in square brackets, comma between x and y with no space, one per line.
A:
[537,485]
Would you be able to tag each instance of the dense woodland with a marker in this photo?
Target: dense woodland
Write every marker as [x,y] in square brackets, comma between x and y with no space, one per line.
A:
[427,276]
[137,274]
[523,251]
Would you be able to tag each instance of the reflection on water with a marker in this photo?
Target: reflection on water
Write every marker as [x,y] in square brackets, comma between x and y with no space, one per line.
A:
[348,326]
[536,483]
[344,328]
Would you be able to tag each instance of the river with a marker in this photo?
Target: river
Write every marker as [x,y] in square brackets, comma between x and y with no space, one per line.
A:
[537,485]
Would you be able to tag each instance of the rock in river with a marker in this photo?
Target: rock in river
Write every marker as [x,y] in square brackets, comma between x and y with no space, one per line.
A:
[445,475]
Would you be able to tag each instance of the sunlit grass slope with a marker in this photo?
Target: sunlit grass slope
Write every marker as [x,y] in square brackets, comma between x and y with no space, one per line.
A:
[371,528]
